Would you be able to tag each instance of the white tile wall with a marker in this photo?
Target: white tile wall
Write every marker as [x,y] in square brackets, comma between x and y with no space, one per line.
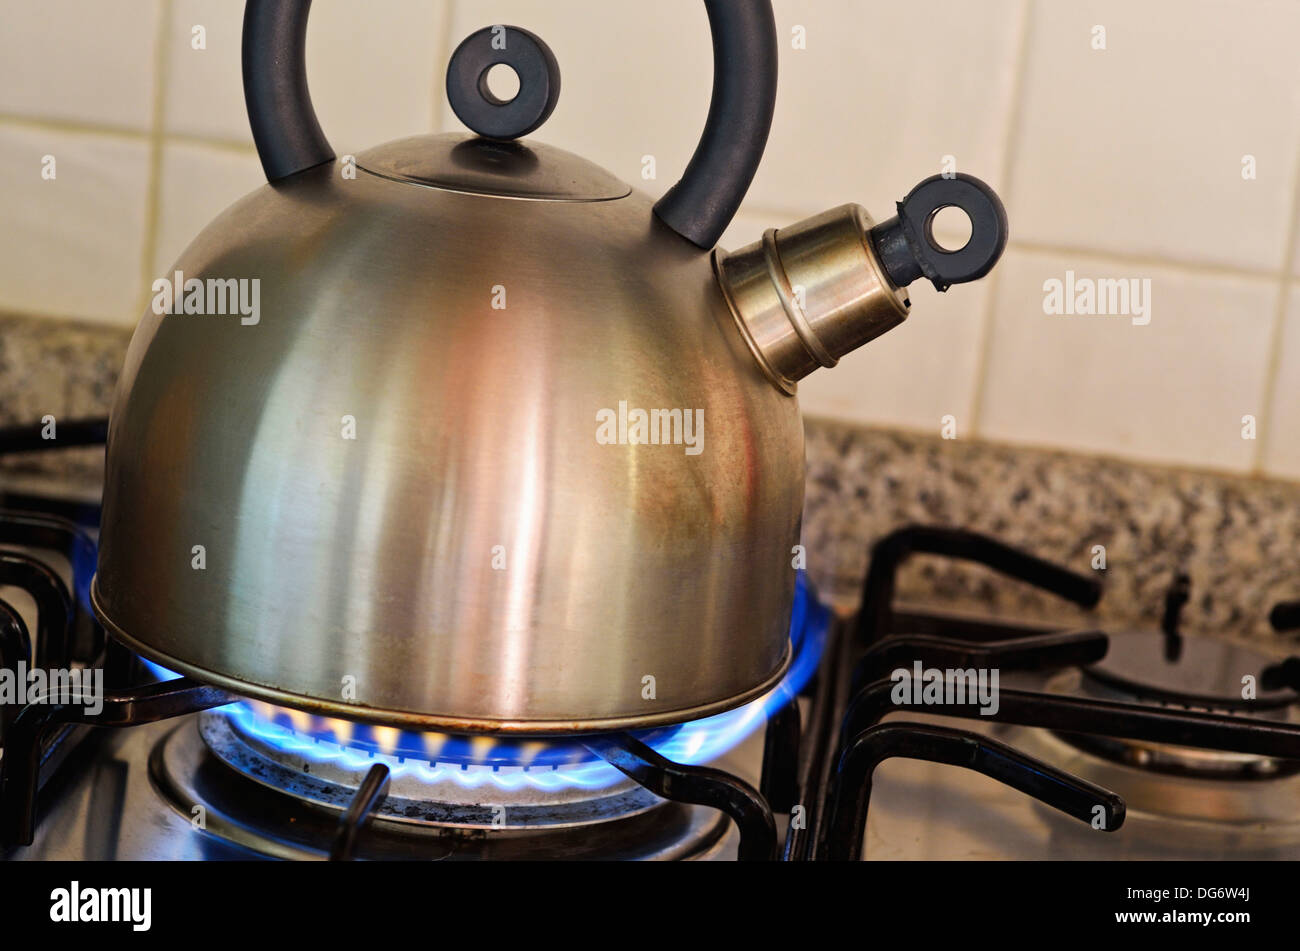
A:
[1138,148]
[203,95]
[375,77]
[1172,390]
[882,94]
[373,74]
[227,175]
[70,245]
[1123,162]
[1282,435]
[77,61]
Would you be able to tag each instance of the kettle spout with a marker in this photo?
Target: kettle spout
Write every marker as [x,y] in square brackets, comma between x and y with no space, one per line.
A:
[806,295]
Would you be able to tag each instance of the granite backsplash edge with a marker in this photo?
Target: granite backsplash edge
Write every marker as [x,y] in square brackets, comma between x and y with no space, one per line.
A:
[63,369]
[1237,537]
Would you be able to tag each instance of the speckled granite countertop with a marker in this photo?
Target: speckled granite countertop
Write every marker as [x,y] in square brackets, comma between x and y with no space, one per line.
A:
[1238,538]
[63,369]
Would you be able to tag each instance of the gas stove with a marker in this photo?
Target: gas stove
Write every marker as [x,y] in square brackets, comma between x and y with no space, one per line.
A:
[1072,743]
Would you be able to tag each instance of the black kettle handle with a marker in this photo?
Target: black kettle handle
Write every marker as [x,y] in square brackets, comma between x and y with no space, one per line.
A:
[699,207]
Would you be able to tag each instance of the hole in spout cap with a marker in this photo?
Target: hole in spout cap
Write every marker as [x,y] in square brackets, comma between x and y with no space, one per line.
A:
[949,229]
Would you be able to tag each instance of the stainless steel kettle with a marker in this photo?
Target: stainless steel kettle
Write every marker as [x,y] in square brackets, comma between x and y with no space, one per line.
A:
[491,441]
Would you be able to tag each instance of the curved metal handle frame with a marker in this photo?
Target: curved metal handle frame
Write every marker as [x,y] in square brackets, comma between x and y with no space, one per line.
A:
[889,553]
[699,207]
[1068,714]
[851,790]
[1285,616]
[701,785]
[20,769]
[1051,651]
[54,606]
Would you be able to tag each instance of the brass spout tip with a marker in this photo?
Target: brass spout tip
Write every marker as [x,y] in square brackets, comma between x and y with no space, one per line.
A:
[806,295]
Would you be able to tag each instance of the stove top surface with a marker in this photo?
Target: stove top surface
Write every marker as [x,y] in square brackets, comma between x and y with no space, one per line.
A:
[155,793]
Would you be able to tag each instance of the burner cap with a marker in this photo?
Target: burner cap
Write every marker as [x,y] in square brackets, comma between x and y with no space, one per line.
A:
[1201,673]
[270,810]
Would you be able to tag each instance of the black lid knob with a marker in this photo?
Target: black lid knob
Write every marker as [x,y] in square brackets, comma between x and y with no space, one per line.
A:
[532,61]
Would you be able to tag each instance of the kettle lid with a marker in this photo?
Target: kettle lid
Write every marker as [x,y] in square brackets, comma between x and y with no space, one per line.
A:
[493,167]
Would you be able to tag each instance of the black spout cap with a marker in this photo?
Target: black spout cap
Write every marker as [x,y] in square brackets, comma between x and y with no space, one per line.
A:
[907,247]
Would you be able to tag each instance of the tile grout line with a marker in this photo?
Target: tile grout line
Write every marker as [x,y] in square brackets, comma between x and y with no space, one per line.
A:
[988,313]
[82,127]
[237,146]
[751,209]
[55,124]
[1273,369]
[153,198]
[1195,268]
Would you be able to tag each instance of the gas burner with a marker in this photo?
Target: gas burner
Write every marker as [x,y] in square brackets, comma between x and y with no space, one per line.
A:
[570,787]
[1187,671]
[1184,672]
[283,783]
[203,768]
[280,782]
[1181,800]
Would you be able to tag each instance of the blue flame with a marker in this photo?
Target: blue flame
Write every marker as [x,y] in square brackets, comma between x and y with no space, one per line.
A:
[159,672]
[473,762]
[703,740]
[319,750]
[83,558]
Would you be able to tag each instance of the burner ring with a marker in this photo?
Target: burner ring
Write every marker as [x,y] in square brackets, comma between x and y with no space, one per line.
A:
[1167,758]
[428,794]
[1202,674]
[263,821]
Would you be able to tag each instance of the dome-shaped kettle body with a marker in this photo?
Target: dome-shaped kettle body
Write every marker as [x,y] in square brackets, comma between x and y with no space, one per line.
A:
[475,462]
